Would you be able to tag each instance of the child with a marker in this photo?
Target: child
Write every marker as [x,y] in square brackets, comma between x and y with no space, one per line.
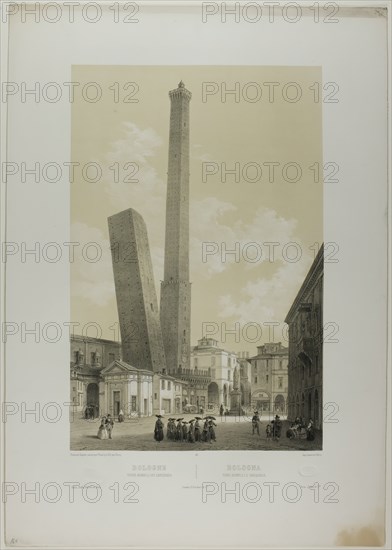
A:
[268,431]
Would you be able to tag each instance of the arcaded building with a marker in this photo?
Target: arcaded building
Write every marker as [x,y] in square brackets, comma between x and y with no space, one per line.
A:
[305,373]
[207,356]
[269,378]
[137,305]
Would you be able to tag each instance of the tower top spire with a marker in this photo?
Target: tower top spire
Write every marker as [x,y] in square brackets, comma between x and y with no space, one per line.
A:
[180,92]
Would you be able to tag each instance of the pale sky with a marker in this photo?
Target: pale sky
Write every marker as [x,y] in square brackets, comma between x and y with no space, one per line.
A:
[112,132]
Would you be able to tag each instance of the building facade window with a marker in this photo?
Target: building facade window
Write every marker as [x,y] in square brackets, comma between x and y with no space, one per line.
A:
[168,385]
[163,384]
[280,382]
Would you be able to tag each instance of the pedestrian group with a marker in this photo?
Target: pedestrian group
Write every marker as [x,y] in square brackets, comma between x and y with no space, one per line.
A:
[197,429]
[106,427]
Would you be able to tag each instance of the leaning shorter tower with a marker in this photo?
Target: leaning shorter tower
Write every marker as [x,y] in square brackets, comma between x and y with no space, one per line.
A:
[137,305]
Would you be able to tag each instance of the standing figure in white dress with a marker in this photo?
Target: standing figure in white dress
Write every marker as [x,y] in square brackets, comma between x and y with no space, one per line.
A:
[102,432]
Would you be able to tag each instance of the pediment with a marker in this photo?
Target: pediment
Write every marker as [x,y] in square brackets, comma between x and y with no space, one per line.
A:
[118,367]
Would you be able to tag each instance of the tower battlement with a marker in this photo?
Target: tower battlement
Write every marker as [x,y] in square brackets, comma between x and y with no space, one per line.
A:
[180,92]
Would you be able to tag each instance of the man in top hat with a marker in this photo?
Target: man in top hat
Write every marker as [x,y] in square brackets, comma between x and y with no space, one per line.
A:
[256,423]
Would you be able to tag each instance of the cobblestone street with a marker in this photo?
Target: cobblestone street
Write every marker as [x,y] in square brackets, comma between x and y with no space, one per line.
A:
[136,434]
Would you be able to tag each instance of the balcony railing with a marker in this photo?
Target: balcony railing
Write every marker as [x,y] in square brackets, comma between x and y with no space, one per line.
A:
[186,374]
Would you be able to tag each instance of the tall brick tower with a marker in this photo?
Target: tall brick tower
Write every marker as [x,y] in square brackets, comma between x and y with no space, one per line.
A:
[137,304]
[175,310]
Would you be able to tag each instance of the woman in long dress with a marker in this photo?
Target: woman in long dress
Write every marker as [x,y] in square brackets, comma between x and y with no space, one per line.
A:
[158,430]
[310,431]
[102,432]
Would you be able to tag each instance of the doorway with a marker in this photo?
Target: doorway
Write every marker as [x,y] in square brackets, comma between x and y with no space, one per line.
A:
[116,403]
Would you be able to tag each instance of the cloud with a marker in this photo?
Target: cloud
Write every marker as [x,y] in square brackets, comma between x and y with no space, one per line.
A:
[266,298]
[133,154]
[197,154]
[93,280]
[139,185]
[216,230]
[131,181]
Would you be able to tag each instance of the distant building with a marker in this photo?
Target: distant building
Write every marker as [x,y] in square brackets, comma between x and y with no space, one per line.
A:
[141,337]
[167,398]
[305,320]
[220,365]
[245,382]
[269,378]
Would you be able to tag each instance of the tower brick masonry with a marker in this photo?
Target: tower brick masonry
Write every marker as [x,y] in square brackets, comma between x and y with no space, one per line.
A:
[137,304]
[175,310]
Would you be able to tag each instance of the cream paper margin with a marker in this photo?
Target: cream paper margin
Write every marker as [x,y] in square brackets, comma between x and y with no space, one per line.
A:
[352,53]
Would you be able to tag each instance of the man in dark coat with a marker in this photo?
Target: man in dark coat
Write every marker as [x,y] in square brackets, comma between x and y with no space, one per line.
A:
[256,423]
[179,430]
[197,429]
[191,431]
